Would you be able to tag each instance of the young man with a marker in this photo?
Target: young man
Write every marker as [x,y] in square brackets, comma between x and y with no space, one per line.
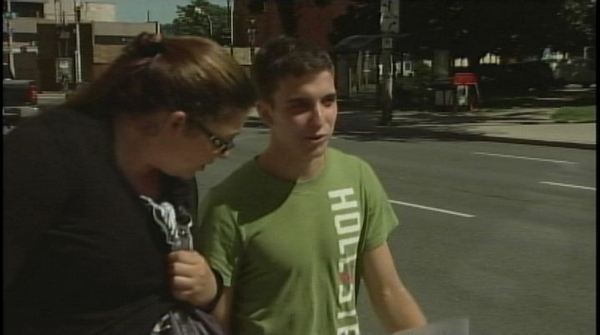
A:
[293,230]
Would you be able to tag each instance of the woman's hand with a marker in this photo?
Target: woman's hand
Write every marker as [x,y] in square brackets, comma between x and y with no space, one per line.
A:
[192,279]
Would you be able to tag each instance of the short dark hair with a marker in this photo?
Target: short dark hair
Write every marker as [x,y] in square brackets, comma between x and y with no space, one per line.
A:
[286,56]
[192,74]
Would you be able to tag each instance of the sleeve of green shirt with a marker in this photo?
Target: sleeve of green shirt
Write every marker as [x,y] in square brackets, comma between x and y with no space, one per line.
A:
[380,217]
[216,237]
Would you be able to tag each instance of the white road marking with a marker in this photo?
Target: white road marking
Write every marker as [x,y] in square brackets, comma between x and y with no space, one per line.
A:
[568,185]
[523,157]
[432,209]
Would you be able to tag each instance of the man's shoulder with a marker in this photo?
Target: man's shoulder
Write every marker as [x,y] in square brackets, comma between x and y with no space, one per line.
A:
[237,182]
[247,191]
[343,160]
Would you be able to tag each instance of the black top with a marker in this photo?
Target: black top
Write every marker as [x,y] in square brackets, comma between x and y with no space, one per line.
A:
[82,254]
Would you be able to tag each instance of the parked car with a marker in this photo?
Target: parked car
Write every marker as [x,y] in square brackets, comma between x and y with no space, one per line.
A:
[576,70]
[19,100]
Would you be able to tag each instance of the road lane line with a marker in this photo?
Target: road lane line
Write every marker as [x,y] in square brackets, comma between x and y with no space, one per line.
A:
[568,185]
[432,209]
[523,157]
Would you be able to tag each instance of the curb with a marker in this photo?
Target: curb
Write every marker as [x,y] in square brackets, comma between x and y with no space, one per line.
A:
[449,134]
[515,140]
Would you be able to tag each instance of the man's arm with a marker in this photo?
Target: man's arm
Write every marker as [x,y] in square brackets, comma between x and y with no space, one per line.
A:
[222,311]
[392,301]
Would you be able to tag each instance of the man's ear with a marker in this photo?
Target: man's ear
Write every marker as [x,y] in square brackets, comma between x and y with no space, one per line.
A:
[265,110]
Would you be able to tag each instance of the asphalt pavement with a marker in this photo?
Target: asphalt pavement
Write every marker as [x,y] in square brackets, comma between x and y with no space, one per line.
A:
[498,233]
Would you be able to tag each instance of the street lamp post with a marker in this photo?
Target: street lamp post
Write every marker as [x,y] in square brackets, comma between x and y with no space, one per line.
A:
[77,7]
[230,19]
[9,15]
[200,11]
[252,38]
[389,24]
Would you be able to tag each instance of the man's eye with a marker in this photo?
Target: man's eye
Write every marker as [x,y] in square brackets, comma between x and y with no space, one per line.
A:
[297,107]
[329,102]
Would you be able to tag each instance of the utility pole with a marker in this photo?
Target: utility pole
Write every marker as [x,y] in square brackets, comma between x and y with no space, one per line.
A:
[77,7]
[230,23]
[11,58]
[389,25]
[201,12]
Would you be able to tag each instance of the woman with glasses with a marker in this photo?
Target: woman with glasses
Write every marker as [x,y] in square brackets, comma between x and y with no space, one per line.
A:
[90,190]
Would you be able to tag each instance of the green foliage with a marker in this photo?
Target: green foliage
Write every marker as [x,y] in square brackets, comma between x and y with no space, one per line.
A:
[472,28]
[575,114]
[579,20]
[167,29]
[190,22]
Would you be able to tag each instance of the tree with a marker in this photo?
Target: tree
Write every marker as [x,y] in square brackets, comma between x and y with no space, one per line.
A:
[514,28]
[578,18]
[471,28]
[190,22]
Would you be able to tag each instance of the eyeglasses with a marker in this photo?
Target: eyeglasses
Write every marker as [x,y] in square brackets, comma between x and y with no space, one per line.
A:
[219,143]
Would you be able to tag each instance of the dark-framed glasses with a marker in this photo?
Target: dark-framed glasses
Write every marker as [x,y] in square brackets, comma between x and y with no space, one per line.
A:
[219,143]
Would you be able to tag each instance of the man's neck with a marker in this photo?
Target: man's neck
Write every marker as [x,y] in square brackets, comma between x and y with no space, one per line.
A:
[286,166]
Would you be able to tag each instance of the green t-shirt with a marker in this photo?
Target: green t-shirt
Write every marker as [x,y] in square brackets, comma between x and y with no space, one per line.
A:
[290,250]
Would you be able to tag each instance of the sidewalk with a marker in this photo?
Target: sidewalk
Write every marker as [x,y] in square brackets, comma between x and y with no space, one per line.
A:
[528,125]
[515,125]
[469,126]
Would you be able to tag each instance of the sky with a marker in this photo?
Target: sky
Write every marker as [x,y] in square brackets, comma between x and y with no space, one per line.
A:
[163,11]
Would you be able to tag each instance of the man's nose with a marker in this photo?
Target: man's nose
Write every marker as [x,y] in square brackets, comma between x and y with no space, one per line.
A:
[316,115]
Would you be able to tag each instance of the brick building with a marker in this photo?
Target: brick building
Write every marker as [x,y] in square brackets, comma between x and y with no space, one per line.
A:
[314,23]
[44,30]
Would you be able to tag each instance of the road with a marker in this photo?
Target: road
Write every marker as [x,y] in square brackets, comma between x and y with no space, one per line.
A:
[501,234]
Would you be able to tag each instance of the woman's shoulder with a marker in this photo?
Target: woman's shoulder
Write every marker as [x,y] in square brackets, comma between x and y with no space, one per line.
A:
[61,129]
[68,117]
[56,118]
